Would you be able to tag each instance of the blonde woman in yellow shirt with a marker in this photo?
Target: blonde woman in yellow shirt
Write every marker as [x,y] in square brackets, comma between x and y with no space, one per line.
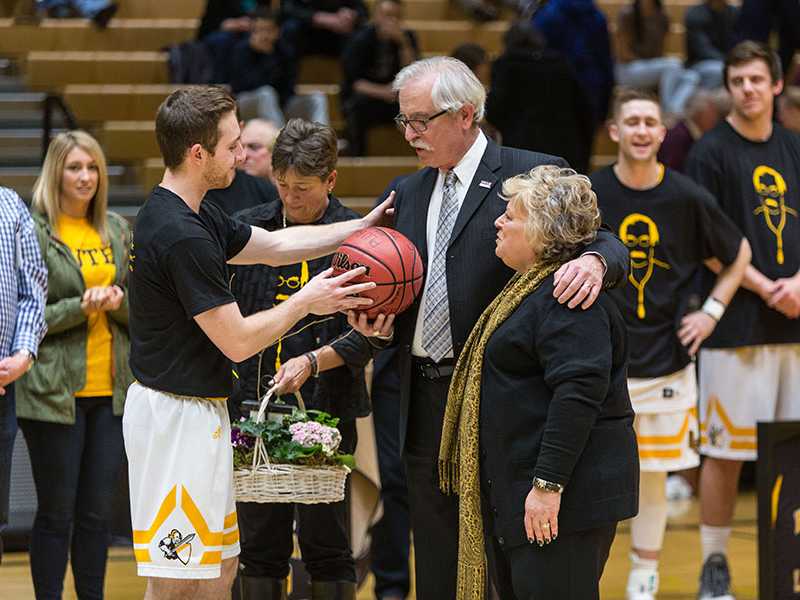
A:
[70,403]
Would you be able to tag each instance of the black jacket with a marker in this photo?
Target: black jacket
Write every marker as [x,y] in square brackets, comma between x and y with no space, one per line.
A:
[474,273]
[342,391]
[555,118]
[709,34]
[555,405]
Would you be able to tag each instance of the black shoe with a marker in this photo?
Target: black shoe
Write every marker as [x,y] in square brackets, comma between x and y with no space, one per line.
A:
[715,580]
[333,590]
[103,16]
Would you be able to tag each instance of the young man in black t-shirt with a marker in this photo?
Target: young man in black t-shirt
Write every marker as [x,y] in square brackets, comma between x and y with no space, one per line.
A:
[750,366]
[670,225]
[186,328]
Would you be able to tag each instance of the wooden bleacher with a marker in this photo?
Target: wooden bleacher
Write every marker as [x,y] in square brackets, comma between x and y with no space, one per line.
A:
[114,80]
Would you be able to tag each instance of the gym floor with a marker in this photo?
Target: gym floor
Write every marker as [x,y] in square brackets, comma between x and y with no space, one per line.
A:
[680,564]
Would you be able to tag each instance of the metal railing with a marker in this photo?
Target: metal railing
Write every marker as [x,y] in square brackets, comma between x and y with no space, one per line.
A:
[51,104]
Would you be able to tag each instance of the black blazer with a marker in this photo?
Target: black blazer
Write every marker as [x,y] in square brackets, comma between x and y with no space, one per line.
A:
[555,405]
[474,273]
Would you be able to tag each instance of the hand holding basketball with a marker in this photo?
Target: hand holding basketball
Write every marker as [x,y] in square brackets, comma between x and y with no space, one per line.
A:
[381,327]
[325,293]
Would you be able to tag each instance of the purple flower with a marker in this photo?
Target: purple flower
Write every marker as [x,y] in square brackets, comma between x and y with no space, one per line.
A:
[311,433]
[241,440]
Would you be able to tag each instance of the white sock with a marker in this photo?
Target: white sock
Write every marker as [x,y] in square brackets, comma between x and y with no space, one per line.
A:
[643,577]
[714,540]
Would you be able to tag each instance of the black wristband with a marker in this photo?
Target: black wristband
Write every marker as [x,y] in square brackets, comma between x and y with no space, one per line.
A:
[312,358]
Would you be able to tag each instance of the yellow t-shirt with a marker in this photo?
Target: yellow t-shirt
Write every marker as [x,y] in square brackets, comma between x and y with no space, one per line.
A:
[96,261]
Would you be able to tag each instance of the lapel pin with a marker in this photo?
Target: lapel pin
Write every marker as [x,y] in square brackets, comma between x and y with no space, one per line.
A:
[485,184]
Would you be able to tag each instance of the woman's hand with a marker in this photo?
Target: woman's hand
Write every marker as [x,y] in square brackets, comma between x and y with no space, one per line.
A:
[103,298]
[541,515]
[695,328]
[292,375]
[381,327]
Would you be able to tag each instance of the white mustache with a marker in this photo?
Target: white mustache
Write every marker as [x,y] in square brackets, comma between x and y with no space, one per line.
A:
[420,145]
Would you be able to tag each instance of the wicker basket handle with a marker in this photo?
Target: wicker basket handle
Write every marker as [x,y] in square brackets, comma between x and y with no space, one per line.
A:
[262,409]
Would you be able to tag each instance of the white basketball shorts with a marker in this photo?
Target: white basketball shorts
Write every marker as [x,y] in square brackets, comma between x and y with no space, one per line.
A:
[181,480]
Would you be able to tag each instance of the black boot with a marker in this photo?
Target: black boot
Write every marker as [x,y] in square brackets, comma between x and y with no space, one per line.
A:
[333,590]
[259,588]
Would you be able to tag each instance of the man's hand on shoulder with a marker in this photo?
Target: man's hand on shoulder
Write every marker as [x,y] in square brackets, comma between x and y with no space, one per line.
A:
[580,281]
[382,215]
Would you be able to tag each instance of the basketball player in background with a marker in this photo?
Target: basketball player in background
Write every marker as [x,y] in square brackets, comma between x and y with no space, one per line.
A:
[750,365]
[186,328]
[670,225]
[319,358]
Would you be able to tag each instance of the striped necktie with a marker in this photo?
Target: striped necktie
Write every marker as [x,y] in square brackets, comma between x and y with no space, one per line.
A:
[437,339]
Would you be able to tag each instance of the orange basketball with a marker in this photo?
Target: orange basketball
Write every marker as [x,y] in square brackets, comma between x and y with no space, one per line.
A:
[392,262]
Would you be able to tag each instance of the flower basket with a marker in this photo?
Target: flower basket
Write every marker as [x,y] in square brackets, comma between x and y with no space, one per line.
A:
[268,482]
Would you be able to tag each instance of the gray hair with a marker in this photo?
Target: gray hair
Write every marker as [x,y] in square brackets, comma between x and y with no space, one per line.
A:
[454,86]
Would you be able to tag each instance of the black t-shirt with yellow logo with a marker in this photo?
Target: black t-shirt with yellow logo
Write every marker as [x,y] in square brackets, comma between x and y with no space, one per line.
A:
[757,184]
[669,230]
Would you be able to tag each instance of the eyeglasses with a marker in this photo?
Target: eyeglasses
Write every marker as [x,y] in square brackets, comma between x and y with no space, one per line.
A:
[418,125]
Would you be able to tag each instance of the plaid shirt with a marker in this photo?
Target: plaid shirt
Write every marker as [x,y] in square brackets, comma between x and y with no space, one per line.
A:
[23,279]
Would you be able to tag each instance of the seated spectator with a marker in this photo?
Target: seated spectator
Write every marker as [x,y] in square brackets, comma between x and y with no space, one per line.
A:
[703,111]
[229,16]
[262,70]
[643,27]
[555,118]
[252,185]
[759,18]
[709,36]
[789,108]
[476,58]
[371,60]
[578,29]
[321,26]
[99,11]
[258,138]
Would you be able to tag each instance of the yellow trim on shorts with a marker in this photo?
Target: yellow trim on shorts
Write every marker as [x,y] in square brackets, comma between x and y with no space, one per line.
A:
[142,555]
[665,440]
[230,521]
[674,453]
[212,557]
[714,403]
[145,536]
[208,537]
[229,539]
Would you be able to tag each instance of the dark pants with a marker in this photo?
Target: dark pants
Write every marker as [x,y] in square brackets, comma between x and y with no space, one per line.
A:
[266,534]
[8,431]
[75,469]
[362,113]
[567,569]
[390,545]
[434,515]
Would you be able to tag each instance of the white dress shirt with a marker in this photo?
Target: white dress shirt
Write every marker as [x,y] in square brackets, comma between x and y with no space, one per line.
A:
[465,171]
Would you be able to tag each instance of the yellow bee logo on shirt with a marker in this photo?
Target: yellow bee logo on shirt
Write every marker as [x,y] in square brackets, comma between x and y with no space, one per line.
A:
[640,234]
[771,189]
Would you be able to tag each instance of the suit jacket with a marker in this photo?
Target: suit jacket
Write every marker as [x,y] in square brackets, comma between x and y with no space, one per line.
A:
[555,405]
[474,273]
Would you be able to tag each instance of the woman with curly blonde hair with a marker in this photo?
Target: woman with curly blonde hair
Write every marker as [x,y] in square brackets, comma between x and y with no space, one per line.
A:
[538,436]
[70,403]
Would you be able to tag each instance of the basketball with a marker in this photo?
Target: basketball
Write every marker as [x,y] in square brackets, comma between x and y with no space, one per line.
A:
[392,262]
